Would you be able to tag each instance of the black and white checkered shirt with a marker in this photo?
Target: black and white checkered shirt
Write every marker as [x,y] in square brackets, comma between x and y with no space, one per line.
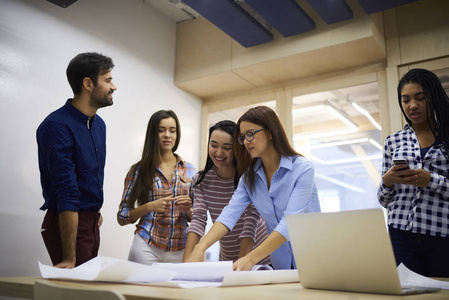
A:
[421,210]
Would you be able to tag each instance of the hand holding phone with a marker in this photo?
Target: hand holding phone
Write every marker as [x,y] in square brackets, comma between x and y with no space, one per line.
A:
[401,162]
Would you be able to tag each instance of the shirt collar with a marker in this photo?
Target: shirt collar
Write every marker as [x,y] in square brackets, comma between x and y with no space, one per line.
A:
[286,163]
[180,160]
[76,113]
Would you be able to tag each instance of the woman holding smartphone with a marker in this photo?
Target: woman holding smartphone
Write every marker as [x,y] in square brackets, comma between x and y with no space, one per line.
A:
[417,197]
[277,180]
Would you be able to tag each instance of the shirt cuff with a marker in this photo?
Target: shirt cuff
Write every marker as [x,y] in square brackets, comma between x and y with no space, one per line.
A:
[124,216]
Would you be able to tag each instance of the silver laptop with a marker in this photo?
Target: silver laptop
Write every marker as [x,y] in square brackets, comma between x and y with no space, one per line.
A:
[346,251]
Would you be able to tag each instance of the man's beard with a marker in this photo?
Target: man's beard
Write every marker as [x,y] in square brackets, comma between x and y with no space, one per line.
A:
[99,101]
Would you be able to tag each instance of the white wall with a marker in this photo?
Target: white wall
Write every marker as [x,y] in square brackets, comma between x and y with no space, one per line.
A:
[37,41]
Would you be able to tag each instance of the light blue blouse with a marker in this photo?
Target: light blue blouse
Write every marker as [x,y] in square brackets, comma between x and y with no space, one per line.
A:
[292,191]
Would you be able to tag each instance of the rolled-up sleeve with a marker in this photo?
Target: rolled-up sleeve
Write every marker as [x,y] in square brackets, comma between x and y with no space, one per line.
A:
[123,217]
[57,149]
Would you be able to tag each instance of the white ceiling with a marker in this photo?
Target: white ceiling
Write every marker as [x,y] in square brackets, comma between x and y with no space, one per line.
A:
[174,9]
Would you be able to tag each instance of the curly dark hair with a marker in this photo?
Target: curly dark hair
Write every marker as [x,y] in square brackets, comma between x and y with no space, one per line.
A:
[437,103]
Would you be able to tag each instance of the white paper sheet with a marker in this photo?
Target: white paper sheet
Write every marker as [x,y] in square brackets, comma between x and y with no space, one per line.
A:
[183,275]
[194,276]
[198,271]
[109,269]
[409,278]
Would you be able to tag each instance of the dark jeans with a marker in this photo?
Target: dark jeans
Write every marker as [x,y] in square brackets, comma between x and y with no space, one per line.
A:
[87,239]
[424,254]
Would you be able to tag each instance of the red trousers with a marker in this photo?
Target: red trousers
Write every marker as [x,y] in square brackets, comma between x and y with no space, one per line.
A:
[87,239]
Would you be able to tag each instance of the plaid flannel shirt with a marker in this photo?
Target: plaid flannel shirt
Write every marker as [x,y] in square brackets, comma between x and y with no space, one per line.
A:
[423,210]
[166,231]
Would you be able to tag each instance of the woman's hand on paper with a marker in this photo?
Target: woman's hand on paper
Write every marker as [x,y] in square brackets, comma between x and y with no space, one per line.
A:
[243,264]
[195,256]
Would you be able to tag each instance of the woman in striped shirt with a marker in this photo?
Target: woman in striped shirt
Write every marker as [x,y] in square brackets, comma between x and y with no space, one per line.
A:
[214,187]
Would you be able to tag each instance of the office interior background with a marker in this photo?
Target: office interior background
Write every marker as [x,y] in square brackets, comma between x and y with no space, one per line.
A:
[334,88]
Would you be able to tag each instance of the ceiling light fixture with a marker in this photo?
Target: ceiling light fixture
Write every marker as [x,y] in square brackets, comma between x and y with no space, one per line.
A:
[345,160]
[351,127]
[340,143]
[347,142]
[341,183]
[376,144]
[367,115]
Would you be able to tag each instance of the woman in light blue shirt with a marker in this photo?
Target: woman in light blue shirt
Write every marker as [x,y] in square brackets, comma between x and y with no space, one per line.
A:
[277,180]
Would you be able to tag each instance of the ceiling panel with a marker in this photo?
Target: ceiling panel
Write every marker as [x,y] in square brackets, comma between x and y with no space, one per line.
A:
[233,20]
[332,11]
[251,27]
[285,15]
[374,6]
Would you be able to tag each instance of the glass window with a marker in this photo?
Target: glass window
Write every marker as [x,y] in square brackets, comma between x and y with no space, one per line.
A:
[339,132]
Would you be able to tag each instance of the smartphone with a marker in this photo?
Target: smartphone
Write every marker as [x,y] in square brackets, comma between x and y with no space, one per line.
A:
[401,162]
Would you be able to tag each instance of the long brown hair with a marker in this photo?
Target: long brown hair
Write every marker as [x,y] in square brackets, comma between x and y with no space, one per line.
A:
[267,118]
[151,157]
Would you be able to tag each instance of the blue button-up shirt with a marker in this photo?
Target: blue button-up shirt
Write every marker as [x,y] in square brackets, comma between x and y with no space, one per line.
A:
[292,191]
[72,154]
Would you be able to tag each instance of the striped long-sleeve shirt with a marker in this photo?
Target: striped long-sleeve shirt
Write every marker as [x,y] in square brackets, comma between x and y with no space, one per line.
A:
[212,195]
[166,231]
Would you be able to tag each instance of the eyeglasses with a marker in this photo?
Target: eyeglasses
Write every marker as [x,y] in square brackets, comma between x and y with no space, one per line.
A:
[249,136]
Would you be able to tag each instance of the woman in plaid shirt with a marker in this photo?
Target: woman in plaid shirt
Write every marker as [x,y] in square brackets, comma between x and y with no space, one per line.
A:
[417,198]
[158,191]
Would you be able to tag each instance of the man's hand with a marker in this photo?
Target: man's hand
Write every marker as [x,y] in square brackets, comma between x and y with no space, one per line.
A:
[100,220]
[68,226]
[66,264]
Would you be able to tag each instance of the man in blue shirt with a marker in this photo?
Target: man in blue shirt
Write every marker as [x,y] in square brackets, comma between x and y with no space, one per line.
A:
[72,153]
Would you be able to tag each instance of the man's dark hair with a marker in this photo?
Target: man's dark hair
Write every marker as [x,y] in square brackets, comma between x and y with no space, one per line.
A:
[89,64]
